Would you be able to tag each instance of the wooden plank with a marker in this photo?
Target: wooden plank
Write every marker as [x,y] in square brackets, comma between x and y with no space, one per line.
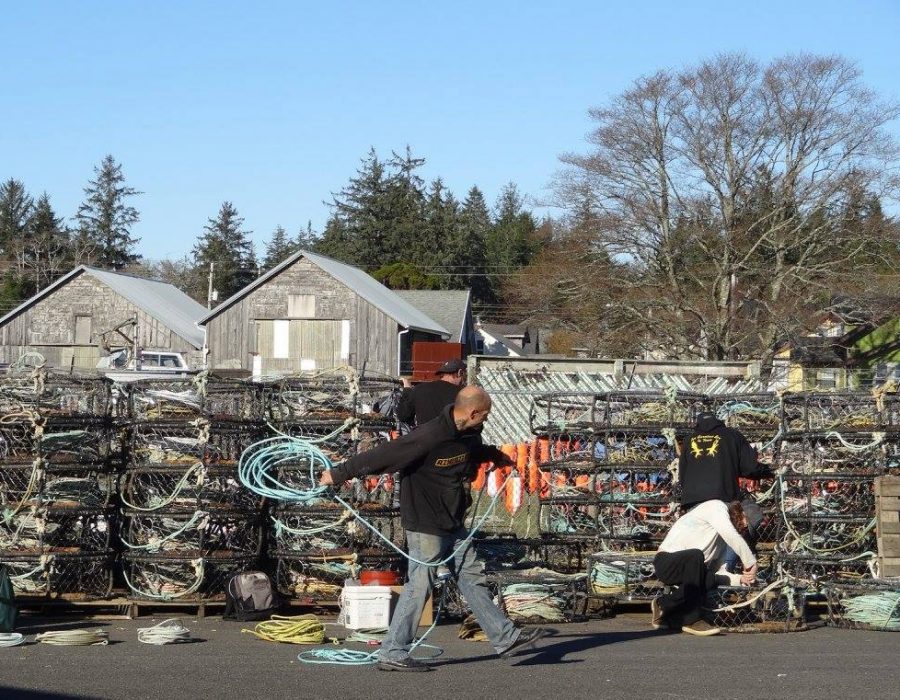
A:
[888,528]
[891,503]
[889,516]
[889,546]
[887,486]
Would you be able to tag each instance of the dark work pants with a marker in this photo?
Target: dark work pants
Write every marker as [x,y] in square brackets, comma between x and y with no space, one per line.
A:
[691,578]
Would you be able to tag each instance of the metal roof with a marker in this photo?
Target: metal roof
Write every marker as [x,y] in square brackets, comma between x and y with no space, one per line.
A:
[448,307]
[514,389]
[161,300]
[363,284]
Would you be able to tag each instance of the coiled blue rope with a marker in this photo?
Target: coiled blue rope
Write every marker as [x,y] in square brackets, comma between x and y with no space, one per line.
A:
[258,471]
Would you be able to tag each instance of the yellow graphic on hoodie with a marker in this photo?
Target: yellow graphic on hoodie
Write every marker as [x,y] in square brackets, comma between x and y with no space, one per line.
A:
[704,445]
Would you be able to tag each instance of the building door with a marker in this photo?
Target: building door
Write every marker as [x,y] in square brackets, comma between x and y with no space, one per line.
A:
[302,344]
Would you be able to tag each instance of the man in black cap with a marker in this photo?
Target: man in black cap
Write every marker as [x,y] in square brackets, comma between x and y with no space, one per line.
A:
[421,403]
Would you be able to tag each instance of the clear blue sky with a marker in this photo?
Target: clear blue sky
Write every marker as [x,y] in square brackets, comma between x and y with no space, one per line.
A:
[271,105]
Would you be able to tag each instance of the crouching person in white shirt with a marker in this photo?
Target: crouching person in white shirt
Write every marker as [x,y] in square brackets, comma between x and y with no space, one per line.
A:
[689,558]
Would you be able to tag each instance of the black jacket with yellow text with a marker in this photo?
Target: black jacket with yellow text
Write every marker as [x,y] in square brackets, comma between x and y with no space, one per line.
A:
[435,461]
[712,458]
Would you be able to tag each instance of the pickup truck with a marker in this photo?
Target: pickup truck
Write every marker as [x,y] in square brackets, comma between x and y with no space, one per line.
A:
[154,363]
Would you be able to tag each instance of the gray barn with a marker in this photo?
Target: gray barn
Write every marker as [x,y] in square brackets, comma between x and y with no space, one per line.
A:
[312,312]
[64,321]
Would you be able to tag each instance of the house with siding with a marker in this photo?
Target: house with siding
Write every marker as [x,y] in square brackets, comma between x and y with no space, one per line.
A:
[67,321]
[312,312]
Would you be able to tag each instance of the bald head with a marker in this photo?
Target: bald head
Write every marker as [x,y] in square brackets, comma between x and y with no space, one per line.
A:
[471,407]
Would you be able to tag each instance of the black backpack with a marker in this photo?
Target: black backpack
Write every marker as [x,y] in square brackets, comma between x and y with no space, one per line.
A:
[249,596]
[8,609]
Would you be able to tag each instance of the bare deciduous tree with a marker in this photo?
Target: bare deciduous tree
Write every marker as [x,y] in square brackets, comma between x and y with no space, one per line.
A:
[726,201]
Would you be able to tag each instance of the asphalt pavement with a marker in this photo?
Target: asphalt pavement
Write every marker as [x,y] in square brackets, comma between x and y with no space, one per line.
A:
[615,658]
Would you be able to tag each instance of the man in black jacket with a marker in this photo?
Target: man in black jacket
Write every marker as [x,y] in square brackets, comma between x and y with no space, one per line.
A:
[712,458]
[436,461]
[421,403]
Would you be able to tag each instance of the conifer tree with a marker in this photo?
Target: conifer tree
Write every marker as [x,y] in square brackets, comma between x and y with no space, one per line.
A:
[225,243]
[105,218]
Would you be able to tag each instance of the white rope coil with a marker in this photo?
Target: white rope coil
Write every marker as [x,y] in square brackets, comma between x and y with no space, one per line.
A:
[171,631]
[12,639]
[74,638]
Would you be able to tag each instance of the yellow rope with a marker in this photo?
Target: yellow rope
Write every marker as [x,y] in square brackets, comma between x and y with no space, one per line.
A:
[298,629]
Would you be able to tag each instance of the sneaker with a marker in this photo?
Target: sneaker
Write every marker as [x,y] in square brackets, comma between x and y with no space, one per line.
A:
[526,639]
[408,664]
[701,628]
[657,621]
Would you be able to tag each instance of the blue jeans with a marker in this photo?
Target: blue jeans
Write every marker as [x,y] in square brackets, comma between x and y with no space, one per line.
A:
[468,570]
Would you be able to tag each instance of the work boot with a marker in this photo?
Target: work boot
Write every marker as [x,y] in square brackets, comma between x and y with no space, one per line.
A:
[526,639]
[658,619]
[409,664]
[701,628]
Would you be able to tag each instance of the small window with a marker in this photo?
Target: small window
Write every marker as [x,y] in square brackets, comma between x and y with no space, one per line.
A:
[169,361]
[301,305]
[149,359]
[82,330]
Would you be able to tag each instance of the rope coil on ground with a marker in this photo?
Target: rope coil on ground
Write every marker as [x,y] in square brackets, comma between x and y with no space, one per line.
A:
[74,638]
[11,639]
[297,629]
[171,631]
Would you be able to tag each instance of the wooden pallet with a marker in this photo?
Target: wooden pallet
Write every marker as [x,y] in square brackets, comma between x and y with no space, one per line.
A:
[887,514]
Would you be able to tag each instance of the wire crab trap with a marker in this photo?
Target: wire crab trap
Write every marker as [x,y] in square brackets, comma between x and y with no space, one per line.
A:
[169,399]
[634,447]
[198,533]
[537,596]
[827,496]
[571,476]
[874,606]
[338,441]
[76,576]
[639,524]
[375,394]
[226,441]
[757,416]
[815,570]
[197,487]
[648,409]
[630,483]
[42,528]
[564,555]
[562,414]
[71,396]
[853,454]
[25,485]
[186,578]
[18,441]
[328,396]
[622,575]
[775,608]
[233,400]
[506,552]
[571,517]
[333,530]
[75,441]
[320,578]
[18,394]
[825,412]
[168,443]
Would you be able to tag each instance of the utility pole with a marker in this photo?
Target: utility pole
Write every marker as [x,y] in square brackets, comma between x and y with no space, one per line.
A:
[209,293]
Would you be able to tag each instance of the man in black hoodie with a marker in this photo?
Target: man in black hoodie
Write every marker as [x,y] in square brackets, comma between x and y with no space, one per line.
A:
[436,461]
[712,458]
